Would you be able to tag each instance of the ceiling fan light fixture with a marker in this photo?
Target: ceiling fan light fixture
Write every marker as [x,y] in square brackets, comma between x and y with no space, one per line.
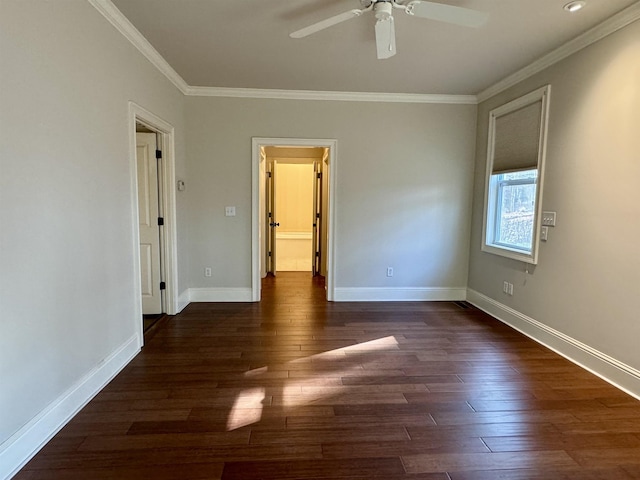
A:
[574,6]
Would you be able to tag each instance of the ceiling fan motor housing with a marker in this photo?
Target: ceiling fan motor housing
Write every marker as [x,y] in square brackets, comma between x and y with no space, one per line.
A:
[383,10]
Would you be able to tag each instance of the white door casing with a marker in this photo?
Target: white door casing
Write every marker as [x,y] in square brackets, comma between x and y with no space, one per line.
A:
[257,207]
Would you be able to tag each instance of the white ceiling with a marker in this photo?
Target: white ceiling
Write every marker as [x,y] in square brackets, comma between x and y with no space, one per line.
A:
[246,44]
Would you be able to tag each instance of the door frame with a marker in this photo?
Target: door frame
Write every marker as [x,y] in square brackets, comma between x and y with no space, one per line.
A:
[256,205]
[169,254]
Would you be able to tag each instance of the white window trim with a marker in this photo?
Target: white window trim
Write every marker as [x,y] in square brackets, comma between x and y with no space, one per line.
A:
[489,217]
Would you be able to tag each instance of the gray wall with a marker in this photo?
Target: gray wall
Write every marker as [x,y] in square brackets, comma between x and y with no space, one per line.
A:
[403,188]
[403,191]
[67,297]
[587,281]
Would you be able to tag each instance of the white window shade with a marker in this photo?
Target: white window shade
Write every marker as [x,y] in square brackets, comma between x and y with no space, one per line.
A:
[517,140]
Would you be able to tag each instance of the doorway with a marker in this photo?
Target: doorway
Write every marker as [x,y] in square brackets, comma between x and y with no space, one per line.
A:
[150,224]
[153,197]
[293,209]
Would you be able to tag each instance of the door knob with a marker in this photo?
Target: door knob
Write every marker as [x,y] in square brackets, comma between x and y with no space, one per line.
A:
[273,224]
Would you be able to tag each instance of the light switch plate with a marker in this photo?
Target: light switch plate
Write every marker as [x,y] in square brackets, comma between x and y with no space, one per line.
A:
[549,219]
[544,233]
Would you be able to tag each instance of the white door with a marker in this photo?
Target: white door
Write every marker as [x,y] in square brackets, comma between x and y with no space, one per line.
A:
[149,229]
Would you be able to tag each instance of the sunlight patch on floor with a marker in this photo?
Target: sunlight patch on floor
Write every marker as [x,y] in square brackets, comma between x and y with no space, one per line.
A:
[247,408]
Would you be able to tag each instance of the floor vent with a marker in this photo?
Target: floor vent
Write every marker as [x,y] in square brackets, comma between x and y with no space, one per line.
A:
[463,305]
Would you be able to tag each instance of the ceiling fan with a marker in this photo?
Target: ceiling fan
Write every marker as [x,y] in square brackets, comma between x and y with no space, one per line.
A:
[385,29]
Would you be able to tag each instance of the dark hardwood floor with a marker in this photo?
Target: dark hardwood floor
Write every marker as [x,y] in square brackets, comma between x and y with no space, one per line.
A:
[298,388]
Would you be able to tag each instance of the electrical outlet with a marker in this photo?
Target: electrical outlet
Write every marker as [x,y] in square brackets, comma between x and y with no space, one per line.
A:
[229,211]
[207,271]
[389,271]
[505,287]
[510,292]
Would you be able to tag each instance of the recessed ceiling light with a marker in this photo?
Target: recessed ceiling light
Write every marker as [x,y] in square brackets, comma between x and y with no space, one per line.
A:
[574,6]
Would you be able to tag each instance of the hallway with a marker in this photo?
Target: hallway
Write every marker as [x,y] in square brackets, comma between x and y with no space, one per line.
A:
[295,387]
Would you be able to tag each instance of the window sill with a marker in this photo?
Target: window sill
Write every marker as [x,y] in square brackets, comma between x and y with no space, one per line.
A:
[512,253]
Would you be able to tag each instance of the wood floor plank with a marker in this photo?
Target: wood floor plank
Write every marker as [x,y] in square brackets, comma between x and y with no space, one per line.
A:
[164,440]
[425,463]
[278,470]
[523,443]
[607,458]
[544,474]
[294,387]
[382,449]
[324,435]
[207,471]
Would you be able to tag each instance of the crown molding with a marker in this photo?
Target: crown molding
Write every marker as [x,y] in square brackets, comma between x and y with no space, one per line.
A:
[325,95]
[131,33]
[613,24]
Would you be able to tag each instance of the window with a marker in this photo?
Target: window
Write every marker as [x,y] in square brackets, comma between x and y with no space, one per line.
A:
[514,200]
[515,166]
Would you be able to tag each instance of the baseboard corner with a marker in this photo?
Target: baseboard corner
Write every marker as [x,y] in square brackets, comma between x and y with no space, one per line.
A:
[29,440]
[611,370]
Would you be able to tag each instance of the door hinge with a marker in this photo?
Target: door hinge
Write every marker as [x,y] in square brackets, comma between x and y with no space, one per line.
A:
[270,215]
[319,174]
[269,253]
[158,154]
[269,174]
[160,221]
[318,215]
[163,285]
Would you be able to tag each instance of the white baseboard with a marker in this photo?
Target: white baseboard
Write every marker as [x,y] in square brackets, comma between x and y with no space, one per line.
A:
[399,294]
[26,442]
[220,295]
[611,370]
[183,301]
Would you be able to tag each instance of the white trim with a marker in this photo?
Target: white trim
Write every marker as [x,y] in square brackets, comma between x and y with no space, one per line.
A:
[26,442]
[220,294]
[400,294]
[332,96]
[489,215]
[256,144]
[169,231]
[609,26]
[131,33]
[183,300]
[613,371]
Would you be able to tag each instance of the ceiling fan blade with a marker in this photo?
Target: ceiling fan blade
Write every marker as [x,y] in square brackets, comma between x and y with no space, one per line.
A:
[329,22]
[385,38]
[447,13]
